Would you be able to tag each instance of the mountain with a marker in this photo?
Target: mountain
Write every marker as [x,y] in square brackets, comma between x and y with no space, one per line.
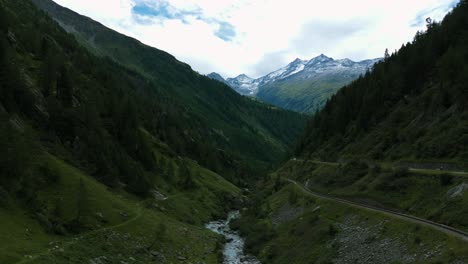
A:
[113,151]
[211,109]
[305,86]
[394,140]
[243,84]
[216,76]
[411,106]
[302,85]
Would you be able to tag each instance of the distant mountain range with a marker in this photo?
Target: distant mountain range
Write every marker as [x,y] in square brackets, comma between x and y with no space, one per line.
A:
[302,85]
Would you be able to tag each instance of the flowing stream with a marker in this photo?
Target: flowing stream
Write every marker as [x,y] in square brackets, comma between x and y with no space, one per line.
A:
[234,248]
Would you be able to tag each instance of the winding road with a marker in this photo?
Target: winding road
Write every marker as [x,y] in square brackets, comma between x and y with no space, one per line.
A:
[393,166]
[444,228]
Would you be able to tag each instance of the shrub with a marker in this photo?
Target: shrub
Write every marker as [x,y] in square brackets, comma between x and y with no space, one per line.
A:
[417,240]
[377,169]
[445,179]
[292,198]
[400,172]
[50,175]
[332,230]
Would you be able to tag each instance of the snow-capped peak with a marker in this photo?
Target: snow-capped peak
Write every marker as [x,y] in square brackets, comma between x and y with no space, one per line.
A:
[296,61]
[243,84]
[301,68]
[319,60]
[242,78]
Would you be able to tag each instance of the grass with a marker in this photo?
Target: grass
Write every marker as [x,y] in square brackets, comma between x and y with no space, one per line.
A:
[389,165]
[119,226]
[312,237]
[130,242]
[26,237]
[426,194]
[438,172]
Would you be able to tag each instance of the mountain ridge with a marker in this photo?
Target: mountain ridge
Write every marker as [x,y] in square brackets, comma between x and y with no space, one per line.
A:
[197,94]
[270,87]
[412,106]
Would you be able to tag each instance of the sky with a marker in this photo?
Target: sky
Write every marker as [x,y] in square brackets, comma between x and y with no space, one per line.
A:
[256,37]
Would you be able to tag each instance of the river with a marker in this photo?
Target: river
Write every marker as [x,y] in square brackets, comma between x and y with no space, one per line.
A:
[234,248]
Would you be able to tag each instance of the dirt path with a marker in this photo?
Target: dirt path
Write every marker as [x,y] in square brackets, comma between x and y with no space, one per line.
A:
[78,238]
[446,229]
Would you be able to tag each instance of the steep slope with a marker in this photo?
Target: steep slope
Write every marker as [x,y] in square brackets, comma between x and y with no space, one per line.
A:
[413,105]
[85,168]
[239,135]
[324,230]
[301,86]
[410,109]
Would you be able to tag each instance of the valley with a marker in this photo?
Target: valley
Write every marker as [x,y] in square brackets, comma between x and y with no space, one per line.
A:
[113,151]
[303,85]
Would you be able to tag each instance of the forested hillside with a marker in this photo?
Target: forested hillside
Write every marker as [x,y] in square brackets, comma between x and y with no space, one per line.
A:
[91,145]
[413,105]
[99,115]
[243,135]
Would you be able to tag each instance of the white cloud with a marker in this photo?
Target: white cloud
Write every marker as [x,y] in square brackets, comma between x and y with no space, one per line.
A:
[263,35]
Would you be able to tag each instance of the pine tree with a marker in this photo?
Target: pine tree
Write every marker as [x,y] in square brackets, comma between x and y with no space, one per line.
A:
[48,76]
[386,55]
[3,20]
[64,87]
[82,202]
[187,181]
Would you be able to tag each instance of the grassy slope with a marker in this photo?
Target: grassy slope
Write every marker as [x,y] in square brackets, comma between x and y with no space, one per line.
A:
[113,223]
[301,96]
[315,235]
[122,214]
[422,194]
[183,213]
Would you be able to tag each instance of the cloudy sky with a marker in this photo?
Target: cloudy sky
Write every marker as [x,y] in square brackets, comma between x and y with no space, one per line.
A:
[258,36]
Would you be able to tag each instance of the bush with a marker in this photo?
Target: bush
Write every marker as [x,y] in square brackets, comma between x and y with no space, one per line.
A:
[400,172]
[445,179]
[417,240]
[4,198]
[332,230]
[50,175]
[376,169]
[389,182]
[292,198]
[352,172]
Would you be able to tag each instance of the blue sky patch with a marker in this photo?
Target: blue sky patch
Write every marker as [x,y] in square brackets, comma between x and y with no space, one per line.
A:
[421,17]
[145,10]
[163,9]
[226,31]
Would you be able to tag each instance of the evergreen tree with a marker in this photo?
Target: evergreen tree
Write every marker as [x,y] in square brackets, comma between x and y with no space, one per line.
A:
[48,75]
[3,20]
[64,87]
[186,177]
[82,202]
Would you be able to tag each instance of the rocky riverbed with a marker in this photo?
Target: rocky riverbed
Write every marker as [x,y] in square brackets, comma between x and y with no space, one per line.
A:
[234,248]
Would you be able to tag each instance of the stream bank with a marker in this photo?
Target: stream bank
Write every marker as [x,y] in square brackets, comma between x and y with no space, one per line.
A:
[233,251]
